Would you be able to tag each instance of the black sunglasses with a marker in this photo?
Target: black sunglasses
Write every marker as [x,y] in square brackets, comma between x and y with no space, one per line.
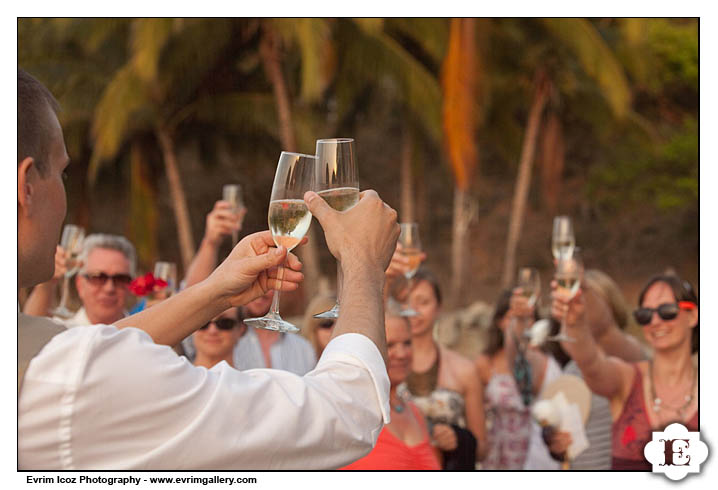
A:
[100,278]
[326,324]
[221,323]
[667,311]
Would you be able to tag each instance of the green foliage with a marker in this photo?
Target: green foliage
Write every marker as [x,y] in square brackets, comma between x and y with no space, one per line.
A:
[664,175]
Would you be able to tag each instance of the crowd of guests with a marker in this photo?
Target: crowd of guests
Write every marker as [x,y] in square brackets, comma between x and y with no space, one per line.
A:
[446,411]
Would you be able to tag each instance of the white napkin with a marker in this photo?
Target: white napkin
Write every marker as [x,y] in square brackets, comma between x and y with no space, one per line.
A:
[571,422]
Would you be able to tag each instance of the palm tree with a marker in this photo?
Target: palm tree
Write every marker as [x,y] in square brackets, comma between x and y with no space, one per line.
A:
[587,48]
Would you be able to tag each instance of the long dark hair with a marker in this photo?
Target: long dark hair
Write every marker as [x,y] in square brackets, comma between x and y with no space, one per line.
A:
[495,340]
[683,291]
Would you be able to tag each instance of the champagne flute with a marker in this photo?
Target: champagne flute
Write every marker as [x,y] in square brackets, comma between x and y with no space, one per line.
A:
[569,274]
[530,283]
[289,219]
[563,240]
[232,193]
[167,271]
[410,248]
[71,242]
[338,184]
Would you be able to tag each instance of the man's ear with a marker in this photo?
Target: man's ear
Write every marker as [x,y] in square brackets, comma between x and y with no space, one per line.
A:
[25,181]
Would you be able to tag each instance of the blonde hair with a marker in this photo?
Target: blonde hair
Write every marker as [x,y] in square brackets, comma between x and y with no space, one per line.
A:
[318,304]
[602,284]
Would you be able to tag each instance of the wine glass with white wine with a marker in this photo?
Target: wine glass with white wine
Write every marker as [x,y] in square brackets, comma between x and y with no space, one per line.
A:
[410,248]
[232,193]
[568,276]
[166,271]
[338,184]
[289,220]
[71,242]
[530,283]
[563,240]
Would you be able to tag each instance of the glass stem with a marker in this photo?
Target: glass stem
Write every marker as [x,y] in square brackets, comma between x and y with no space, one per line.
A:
[234,238]
[65,290]
[274,310]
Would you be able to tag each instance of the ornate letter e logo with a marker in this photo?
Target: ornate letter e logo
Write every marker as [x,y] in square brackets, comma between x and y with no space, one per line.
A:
[676,452]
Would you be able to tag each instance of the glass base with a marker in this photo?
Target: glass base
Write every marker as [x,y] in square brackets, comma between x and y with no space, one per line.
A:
[333,313]
[62,312]
[271,323]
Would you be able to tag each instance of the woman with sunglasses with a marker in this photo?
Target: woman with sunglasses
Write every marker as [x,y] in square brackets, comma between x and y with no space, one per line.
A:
[215,341]
[644,396]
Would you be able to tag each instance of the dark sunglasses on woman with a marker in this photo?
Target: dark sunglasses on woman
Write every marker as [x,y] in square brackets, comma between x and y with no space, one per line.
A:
[221,323]
[100,278]
[667,311]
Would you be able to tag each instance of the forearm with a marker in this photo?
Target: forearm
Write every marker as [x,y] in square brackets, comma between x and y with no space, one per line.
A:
[362,306]
[175,318]
[203,263]
[40,300]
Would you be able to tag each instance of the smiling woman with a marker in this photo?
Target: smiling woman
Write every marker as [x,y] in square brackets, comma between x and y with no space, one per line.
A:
[649,395]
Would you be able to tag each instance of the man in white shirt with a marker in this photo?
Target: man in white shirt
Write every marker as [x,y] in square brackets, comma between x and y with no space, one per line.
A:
[116,397]
[260,348]
[108,266]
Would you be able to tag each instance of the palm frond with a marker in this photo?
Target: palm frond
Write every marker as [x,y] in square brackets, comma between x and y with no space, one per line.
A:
[596,59]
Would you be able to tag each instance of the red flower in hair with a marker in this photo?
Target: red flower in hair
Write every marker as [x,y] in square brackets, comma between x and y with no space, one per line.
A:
[144,285]
[629,435]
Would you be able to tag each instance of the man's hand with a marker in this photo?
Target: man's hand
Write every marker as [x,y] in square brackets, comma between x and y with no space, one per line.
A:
[363,237]
[252,269]
[222,221]
[444,437]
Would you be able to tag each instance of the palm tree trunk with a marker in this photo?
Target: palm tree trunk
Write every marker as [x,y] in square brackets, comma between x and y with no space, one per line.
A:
[269,52]
[179,200]
[407,214]
[524,177]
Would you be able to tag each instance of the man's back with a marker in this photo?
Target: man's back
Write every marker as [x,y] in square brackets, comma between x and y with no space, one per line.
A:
[94,396]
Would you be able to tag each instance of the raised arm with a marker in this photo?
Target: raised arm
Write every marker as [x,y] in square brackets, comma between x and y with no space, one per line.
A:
[609,377]
[605,330]
[249,272]
[363,240]
[220,222]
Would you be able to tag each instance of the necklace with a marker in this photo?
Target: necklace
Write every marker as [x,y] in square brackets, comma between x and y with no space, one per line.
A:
[423,384]
[398,407]
[658,404]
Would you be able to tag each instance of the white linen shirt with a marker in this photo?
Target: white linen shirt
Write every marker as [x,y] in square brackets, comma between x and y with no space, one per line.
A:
[291,352]
[96,397]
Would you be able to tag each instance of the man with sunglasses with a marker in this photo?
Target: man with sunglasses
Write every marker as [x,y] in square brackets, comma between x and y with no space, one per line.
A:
[108,265]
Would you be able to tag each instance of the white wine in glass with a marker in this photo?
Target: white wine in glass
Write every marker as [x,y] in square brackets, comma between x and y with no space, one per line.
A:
[530,283]
[167,271]
[232,193]
[569,274]
[289,219]
[410,246]
[72,239]
[562,240]
[337,183]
